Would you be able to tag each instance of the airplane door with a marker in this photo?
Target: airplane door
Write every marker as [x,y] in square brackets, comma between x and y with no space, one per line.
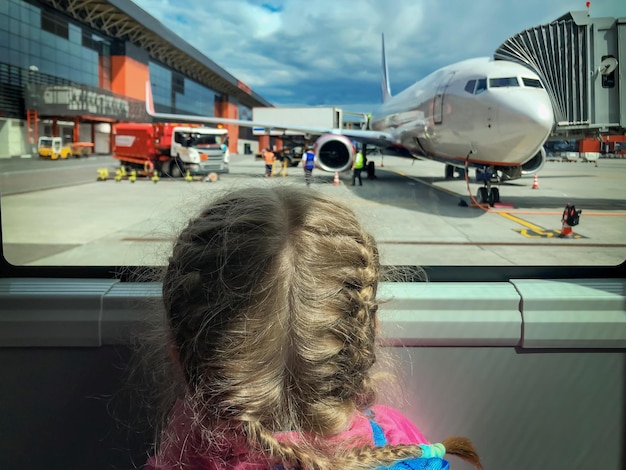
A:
[439,98]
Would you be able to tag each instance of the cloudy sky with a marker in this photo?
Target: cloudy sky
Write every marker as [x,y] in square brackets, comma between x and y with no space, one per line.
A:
[327,52]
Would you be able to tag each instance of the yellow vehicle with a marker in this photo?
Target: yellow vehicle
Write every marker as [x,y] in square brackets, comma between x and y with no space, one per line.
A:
[53,148]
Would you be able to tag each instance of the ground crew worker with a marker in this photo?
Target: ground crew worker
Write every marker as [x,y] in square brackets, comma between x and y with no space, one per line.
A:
[308,163]
[357,166]
[269,157]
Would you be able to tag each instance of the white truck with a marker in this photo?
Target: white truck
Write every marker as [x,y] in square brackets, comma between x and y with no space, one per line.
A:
[171,148]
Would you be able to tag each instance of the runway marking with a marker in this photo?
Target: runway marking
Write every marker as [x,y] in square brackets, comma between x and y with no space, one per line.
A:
[523,222]
[532,230]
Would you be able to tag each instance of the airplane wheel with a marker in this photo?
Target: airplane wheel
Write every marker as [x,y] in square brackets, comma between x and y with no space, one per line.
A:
[482,196]
[494,196]
[449,172]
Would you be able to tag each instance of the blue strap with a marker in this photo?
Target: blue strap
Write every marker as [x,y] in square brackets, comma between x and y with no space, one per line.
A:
[379,435]
[424,463]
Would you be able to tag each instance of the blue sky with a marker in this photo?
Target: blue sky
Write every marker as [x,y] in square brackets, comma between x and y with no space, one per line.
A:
[327,52]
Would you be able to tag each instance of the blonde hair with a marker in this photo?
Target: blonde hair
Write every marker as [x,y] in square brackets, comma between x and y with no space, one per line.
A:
[270,298]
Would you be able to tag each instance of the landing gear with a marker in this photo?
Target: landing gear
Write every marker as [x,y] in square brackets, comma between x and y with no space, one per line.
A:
[488,195]
[449,172]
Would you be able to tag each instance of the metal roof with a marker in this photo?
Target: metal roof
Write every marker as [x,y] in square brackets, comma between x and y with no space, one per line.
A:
[122,19]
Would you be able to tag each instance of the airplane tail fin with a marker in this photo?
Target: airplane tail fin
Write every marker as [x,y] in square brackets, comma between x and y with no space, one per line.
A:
[385,83]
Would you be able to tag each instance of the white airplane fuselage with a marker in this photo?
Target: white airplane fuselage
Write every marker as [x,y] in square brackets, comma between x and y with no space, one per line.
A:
[488,112]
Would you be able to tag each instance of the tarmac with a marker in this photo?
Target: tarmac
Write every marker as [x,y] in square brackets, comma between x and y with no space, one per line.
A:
[417,217]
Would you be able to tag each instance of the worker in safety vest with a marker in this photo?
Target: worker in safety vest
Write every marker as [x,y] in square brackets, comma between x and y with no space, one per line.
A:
[357,166]
[269,157]
[308,163]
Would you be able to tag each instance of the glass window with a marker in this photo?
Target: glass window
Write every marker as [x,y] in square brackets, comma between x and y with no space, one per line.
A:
[4,24]
[14,10]
[469,87]
[54,24]
[481,85]
[531,82]
[503,82]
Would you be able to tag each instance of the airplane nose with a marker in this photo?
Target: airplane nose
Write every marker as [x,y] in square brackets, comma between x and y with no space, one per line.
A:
[528,117]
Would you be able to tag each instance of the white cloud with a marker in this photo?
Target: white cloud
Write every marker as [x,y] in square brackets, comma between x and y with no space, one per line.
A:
[339,40]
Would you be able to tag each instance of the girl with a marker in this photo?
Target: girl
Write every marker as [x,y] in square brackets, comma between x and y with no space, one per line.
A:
[270,301]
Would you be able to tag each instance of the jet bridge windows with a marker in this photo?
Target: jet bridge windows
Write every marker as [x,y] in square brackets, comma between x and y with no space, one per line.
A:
[503,82]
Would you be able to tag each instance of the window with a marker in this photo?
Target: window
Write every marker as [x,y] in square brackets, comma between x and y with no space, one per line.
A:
[532,82]
[495,334]
[481,85]
[54,25]
[503,82]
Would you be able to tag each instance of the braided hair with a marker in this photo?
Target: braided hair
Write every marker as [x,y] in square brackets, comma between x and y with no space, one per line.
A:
[270,299]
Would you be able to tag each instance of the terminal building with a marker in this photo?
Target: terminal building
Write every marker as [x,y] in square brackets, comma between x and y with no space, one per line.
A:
[72,69]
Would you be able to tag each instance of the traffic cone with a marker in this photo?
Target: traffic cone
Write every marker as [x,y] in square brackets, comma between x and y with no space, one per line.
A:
[155,176]
[566,231]
[336,180]
[536,182]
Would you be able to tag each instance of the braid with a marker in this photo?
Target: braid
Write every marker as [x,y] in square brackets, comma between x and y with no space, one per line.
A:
[270,297]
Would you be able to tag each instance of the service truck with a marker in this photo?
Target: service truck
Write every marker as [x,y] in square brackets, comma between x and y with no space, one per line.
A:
[172,149]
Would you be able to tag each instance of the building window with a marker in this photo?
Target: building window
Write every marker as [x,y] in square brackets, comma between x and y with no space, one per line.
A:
[54,25]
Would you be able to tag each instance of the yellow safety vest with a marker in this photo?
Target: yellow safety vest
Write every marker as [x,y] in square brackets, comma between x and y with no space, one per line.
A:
[358,162]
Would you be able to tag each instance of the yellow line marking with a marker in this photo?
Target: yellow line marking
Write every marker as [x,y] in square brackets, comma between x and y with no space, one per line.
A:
[526,224]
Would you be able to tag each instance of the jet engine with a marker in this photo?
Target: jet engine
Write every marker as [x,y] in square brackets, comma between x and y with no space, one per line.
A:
[535,164]
[334,152]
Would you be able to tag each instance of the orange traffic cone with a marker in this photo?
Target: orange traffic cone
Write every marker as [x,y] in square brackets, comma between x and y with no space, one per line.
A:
[336,180]
[566,231]
[535,183]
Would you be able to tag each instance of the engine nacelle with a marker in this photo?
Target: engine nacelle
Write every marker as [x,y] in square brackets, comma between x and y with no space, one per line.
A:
[334,152]
[535,164]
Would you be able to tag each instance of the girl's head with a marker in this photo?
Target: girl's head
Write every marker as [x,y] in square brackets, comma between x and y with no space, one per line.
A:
[270,300]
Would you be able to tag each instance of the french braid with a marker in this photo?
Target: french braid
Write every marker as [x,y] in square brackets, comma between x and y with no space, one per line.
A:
[270,296]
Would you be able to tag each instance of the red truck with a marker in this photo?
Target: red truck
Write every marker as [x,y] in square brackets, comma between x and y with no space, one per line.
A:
[172,149]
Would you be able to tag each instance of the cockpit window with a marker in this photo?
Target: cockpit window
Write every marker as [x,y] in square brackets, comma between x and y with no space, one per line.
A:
[481,86]
[503,82]
[470,86]
[532,82]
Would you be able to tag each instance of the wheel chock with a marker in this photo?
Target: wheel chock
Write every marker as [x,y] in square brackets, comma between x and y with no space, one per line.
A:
[103,174]
[155,176]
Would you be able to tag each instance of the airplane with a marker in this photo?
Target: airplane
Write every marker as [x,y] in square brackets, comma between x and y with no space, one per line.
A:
[492,115]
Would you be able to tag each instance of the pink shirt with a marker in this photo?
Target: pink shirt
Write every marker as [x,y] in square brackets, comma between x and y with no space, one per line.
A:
[398,430]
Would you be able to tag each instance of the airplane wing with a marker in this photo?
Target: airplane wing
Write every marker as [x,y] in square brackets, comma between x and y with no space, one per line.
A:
[382,139]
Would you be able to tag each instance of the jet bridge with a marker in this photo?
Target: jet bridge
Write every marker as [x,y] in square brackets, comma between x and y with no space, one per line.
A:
[578,58]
